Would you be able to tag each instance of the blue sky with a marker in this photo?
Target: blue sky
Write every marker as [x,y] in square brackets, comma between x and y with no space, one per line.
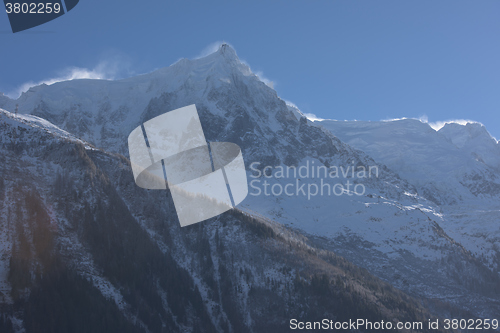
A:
[340,59]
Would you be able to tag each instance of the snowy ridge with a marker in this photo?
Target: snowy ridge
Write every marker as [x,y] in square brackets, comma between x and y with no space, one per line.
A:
[34,122]
[440,163]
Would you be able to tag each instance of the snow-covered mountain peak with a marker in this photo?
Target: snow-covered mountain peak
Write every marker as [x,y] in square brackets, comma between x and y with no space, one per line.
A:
[222,62]
[474,139]
[460,134]
[227,51]
[219,66]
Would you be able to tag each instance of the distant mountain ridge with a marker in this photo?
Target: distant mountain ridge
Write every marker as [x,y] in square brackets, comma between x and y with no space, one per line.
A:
[445,165]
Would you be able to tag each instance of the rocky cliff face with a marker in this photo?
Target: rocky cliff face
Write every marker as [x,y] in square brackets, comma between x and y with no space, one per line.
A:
[84,249]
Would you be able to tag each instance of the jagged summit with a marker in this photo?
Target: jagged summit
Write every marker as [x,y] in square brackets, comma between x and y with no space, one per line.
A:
[222,62]
[459,134]
[227,51]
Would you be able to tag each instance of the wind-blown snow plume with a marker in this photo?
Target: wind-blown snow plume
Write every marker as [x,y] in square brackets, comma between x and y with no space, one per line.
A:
[112,68]
[211,48]
[437,125]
